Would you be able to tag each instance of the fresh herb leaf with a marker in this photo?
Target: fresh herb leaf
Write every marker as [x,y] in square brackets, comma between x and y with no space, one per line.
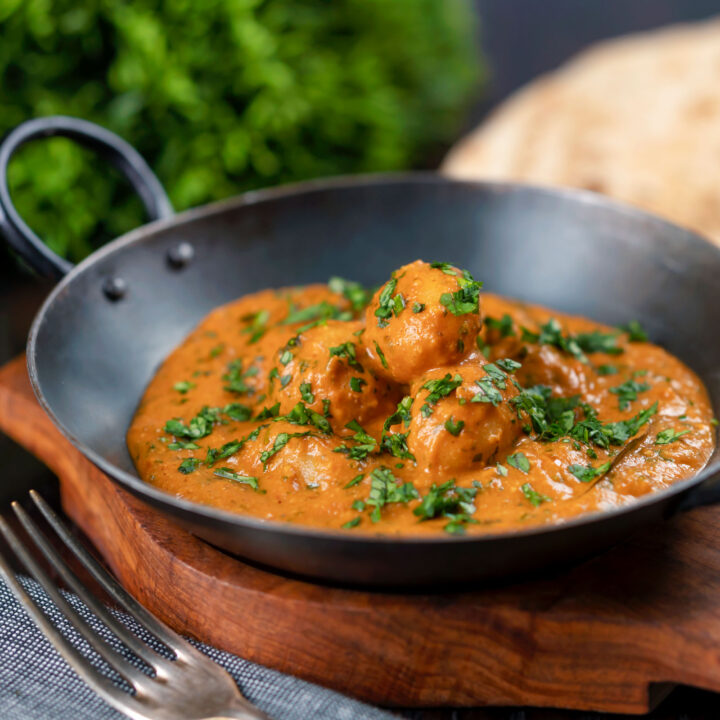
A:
[665,437]
[286,357]
[607,370]
[447,268]
[281,440]
[466,299]
[387,304]
[322,311]
[354,292]
[356,480]
[235,378]
[267,413]
[454,428]
[200,426]
[285,380]
[401,414]
[365,443]
[183,445]
[504,325]
[258,325]
[519,461]
[588,473]
[306,392]
[396,445]
[532,496]
[438,389]
[229,474]
[238,412]
[183,386]
[347,350]
[627,392]
[418,307]
[188,466]
[381,355]
[356,384]
[635,331]
[350,524]
[508,364]
[302,415]
[386,488]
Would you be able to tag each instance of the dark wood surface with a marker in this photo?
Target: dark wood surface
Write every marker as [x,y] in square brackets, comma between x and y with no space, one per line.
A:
[613,634]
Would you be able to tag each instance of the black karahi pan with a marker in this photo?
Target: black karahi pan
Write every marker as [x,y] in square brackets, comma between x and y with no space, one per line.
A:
[112,319]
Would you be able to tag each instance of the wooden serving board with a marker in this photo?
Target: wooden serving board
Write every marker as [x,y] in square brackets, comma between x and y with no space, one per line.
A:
[612,634]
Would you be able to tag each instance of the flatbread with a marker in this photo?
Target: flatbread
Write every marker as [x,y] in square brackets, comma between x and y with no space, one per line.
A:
[637,118]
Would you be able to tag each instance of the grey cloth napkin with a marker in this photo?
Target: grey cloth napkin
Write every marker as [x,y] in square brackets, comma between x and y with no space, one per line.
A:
[37,684]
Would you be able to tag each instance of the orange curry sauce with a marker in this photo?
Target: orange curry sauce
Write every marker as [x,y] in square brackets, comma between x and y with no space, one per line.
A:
[425,407]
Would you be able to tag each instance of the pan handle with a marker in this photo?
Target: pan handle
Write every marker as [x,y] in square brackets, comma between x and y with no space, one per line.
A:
[109,146]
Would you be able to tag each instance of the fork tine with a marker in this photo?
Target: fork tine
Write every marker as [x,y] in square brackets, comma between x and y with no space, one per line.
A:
[77,661]
[143,651]
[118,663]
[174,641]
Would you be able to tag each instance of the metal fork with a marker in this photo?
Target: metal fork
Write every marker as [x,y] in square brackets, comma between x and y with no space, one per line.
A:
[189,686]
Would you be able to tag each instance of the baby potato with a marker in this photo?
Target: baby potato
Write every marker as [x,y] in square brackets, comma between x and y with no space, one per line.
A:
[425,316]
[329,372]
[461,417]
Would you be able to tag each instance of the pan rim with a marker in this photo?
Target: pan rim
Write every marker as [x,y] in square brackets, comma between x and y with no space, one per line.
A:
[209,513]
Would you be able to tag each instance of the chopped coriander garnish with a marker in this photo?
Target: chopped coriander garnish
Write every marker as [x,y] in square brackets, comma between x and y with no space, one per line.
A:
[199,426]
[347,350]
[504,325]
[627,392]
[302,415]
[387,304]
[281,440]
[665,437]
[356,384]
[357,479]
[350,524]
[454,428]
[444,267]
[235,378]
[508,364]
[358,505]
[228,449]
[588,473]
[183,386]
[354,292]
[466,299]
[386,488]
[267,413]
[217,350]
[189,465]
[396,445]
[381,355]
[285,379]
[286,357]
[183,445]
[401,414]
[439,389]
[519,461]
[229,474]
[238,412]
[501,469]
[322,311]
[258,325]
[365,443]
[532,496]
[607,370]
[418,307]
[306,392]
[635,331]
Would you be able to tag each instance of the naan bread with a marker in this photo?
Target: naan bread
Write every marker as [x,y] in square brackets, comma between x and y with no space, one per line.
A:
[637,118]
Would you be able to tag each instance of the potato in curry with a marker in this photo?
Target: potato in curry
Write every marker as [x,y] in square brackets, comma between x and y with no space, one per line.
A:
[423,407]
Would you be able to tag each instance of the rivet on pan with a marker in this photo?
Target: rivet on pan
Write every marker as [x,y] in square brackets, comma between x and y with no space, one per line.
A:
[114,288]
[180,255]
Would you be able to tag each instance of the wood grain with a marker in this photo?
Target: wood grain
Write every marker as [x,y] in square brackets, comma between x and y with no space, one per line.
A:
[613,634]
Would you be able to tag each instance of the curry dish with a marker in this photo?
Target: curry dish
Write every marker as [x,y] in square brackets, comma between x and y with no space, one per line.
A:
[423,407]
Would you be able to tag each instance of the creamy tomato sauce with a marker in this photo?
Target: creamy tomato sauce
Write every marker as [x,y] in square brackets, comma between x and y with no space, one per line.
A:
[424,407]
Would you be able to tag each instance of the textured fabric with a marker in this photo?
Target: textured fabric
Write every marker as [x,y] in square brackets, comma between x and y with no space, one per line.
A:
[37,684]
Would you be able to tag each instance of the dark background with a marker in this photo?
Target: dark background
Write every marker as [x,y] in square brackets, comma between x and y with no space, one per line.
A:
[520,39]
